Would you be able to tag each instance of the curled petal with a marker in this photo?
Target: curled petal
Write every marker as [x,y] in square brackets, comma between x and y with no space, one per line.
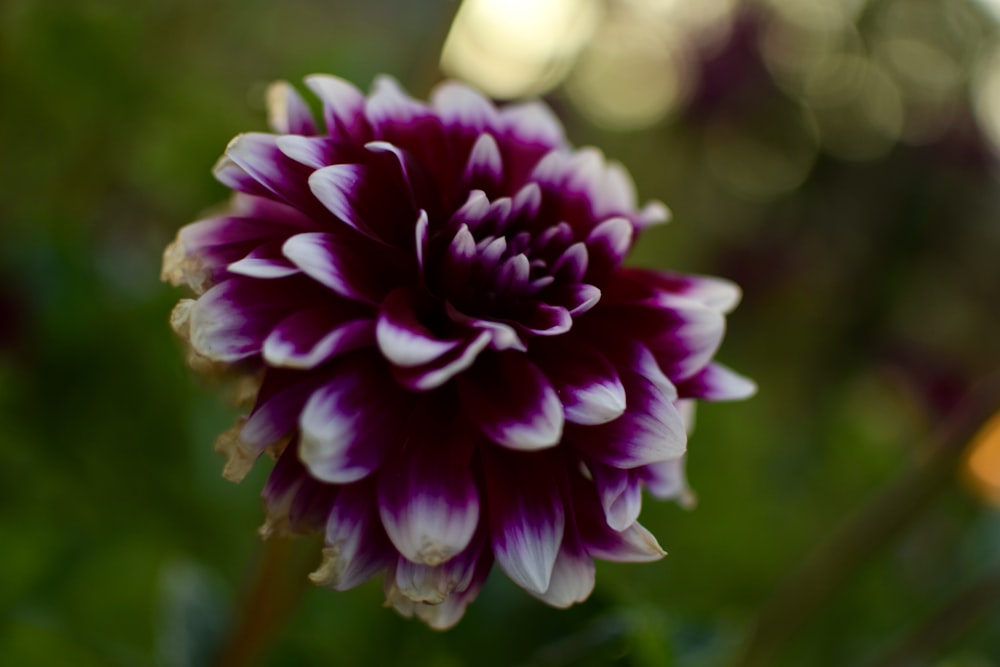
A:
[650,430]
[661,288]
[402,338]
[580,298]
[512,402]
[542,319]
[276,409]
[309,338]
[438,372]
[635,544]
[715,382]
[264,262]
[296,502]
[502,336]
[315,152]
[586,382]
[258,156]
[620,493]
[666,480]
[230,321]
[356,546]
[448,612]
[682,333]
[287,112]
[338,187]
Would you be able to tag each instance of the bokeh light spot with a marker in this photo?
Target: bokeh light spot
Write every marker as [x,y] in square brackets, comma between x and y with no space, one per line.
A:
[982,466]
[514,48]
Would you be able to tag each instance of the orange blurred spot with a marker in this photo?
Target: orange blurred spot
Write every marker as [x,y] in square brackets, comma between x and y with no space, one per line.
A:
[982,464]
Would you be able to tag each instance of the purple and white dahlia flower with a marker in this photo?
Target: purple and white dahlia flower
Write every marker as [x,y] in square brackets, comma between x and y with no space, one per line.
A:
[454,367]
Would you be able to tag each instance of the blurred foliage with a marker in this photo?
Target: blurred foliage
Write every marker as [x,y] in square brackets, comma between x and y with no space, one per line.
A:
[871,288]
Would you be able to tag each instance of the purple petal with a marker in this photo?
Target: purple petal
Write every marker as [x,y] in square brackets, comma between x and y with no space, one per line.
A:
[527,202]
[572,578]
[441,370]
[635,544]
[571,266]
[513,274]
[542,319]
[258,155]
[427,496]
[576,299]
[473,212]
[456,266]
[526,515]
[653,213]
[402,338]
[682,333]
[484,170]
[356,546]
[651,429]
[502,336]
[365,200]
[662,288]
[666,480]
[203,249]
[586,382]
[343,107]
[315,152]
[309,338]
[287,112]
[457,104]
[389,106]
[715,382]
[345,433]
[620,493]
[296,503]
[608,243]
[264,262]
[422,239]
[614,193]
[343,265]
[512,402]
[276,410]
[533,122]
[234,177]
[230,321]
[338,187]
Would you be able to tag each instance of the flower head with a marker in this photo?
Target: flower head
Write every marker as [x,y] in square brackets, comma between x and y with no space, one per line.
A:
[455,369]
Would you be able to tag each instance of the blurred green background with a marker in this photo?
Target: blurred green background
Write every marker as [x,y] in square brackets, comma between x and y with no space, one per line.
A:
[837,158]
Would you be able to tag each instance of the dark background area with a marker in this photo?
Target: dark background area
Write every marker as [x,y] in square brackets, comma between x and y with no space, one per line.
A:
[840,169]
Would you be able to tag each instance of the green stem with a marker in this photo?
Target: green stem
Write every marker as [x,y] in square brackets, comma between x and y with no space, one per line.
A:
[274,586]
[822,573]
